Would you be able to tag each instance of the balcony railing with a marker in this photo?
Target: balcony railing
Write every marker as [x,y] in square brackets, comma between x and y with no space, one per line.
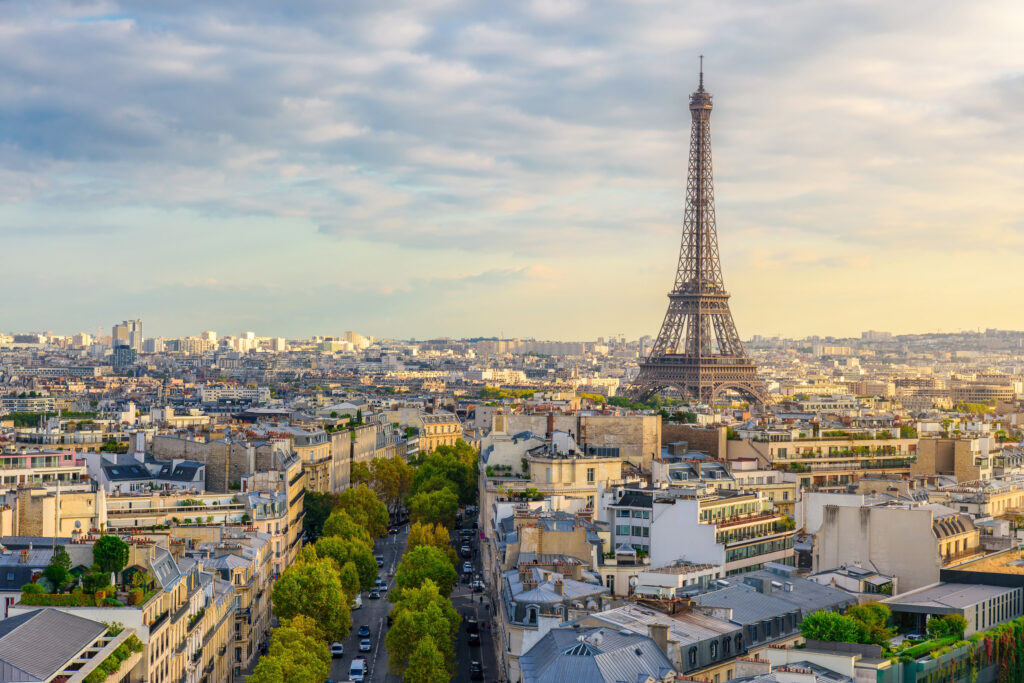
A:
[737,520]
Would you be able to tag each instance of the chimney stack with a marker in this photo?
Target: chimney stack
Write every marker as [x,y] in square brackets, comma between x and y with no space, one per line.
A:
[560,587]
[659,634]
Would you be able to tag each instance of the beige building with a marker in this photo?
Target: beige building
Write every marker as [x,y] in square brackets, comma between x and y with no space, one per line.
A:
[439,429]
[967,458]
[67,513]
[910,544]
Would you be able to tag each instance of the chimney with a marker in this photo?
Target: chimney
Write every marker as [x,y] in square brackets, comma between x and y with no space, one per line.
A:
[560,587]
[23,559]
[551,425]
[659,634]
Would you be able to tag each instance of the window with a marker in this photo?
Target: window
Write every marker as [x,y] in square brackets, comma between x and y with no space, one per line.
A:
[637,514]
[590,474]
[622,513]
[609,582]
[693,656]
[726,646]
[714,649]
[622,529]
[647,514]
[638,531]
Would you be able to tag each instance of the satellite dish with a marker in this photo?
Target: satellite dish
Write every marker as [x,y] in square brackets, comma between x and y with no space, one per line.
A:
[633,581]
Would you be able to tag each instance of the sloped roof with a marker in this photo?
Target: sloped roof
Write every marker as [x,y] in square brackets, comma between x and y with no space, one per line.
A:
[36,645]
[593,655]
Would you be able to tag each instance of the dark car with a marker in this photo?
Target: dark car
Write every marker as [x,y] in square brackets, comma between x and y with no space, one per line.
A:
[476,671]
[393,530]
[380,560]
[364,631]
[466,551]
[472,626]
[474,638]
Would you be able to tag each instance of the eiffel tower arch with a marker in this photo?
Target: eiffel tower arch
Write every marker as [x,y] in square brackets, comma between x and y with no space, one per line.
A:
[698,351]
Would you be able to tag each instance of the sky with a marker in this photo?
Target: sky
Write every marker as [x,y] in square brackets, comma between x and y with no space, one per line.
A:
[424,168]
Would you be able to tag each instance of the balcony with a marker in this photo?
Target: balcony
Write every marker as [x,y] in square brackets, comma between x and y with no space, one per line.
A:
[739,520]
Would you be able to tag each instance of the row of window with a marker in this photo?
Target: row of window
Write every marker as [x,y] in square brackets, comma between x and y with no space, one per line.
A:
[627,530]
[756,549]
[635,514]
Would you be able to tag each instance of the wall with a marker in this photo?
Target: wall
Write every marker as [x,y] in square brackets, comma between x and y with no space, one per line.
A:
[895,541]
[810,509]
[710,440]
[676,533]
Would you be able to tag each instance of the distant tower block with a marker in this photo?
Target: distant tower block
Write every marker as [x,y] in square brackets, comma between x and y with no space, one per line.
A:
[698,351]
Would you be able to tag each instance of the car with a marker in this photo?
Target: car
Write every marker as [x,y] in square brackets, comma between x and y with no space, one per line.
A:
[472,626]
[393,530]
[337,650]
[364,630]
[380,560]
[477,585]
[378,582]
[474,638]
[467,567]
[476,671]
[374,594]
[383,588]
[365,645]
[357,602]
[466,551]
[357,670]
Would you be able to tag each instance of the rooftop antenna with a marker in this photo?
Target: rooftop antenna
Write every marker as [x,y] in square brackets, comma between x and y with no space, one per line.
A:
[701,86]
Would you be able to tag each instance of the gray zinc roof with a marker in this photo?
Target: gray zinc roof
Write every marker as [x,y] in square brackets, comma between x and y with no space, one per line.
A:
[37,645]
[594,655]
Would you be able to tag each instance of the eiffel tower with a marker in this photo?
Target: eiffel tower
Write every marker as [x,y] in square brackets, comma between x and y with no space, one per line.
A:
[698,351]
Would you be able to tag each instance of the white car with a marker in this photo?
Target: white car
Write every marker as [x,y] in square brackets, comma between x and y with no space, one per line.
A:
[357,601]
[357,672]
[337,650]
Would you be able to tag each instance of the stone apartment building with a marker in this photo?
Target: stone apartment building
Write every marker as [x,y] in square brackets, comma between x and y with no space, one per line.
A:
[966,458]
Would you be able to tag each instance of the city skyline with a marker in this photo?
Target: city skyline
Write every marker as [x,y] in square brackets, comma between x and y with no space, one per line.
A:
[453,170]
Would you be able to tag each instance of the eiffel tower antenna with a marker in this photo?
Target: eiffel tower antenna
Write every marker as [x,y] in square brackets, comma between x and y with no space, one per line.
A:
[698,351]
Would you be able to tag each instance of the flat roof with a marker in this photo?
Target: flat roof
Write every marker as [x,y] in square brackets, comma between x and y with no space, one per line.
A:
[948,596]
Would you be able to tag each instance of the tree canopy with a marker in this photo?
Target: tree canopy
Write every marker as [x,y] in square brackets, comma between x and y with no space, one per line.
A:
[345,550]
[391,478]
[365,509]
[297,654]
[318,507]
[110,553]
[456,465]
[424,563]
[341,525]
[434,507]
[314,589]
[426,663]
[435,535]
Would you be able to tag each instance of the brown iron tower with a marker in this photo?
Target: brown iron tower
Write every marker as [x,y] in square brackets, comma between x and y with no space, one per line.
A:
[698,351]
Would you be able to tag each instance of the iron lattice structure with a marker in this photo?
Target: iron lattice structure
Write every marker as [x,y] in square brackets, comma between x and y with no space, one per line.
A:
[698,351]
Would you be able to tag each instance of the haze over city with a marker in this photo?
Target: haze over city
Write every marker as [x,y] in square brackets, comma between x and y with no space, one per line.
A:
[461,169]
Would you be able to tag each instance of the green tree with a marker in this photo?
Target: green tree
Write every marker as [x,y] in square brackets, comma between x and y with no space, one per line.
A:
[408,629]
[350,581]
[423,563]
[110,553]
[359,473]
[345,550]
[58,571]
[435,535]
[297,654]
[418,599]
[907,432]
[318,507]
[314,589]
[434,507]
[365,509]
[831,627]
[455,464]
[341,525]
[426,664]
[873,616]
[391,478]
[948,625]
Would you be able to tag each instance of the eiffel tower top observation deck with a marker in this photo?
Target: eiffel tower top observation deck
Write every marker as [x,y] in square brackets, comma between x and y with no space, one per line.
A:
[698,351]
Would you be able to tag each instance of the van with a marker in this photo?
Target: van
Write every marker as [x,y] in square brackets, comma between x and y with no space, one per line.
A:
[357,672]
[357,602]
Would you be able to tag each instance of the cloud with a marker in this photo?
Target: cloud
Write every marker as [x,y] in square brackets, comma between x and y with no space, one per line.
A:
[508,138]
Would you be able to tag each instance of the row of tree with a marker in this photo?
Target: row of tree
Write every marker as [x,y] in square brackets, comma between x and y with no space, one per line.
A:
[419,648]
[312,598]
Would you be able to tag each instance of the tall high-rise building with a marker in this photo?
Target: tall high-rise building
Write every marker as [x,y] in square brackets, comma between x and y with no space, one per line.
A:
[127,333]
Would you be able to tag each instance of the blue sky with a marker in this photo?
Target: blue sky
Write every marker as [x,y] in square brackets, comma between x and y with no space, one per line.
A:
[431,168]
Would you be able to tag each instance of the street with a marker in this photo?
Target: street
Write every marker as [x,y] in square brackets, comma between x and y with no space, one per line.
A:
[374,614]
[469,604]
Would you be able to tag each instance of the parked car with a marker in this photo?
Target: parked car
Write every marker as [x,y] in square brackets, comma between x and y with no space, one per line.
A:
[374,594]
[476,671]
[474,638]
[477,585]
[466,551]
[365,645]
[337,650]
[364,631]
[382,588]
[380,560]
[467,567]
[472,626]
